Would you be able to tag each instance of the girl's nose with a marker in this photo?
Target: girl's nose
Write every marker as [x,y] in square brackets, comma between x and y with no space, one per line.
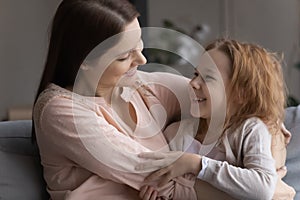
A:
[196,83]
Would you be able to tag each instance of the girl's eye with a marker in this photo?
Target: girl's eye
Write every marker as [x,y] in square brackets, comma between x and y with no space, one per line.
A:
[208,78]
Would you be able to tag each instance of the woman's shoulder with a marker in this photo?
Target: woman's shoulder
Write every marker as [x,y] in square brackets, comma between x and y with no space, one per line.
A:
[50,93]
[161,77]
[46,97]
[164,85]
[56,99]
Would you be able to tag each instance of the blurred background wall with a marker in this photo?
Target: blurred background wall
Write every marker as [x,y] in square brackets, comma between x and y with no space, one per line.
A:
[24,25]
[23,43]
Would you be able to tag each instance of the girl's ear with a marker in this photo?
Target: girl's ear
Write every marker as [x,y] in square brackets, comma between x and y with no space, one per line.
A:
[239,98]
[235,97]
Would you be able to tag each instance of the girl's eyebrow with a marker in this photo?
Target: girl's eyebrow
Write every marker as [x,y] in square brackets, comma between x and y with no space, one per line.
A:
[211,69]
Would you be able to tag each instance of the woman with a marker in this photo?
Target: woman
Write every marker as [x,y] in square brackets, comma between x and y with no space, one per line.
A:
[94,113]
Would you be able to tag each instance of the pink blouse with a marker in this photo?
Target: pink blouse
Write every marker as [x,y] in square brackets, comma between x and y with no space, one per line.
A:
[87,150]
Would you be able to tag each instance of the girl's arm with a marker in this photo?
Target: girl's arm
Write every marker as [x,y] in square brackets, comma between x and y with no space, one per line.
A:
[256,179]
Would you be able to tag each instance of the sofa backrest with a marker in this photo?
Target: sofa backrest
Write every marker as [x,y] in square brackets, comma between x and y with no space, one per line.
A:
[20,169]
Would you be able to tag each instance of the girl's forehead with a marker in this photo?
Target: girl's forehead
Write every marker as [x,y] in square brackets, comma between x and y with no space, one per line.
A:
[221,60]
[206,63]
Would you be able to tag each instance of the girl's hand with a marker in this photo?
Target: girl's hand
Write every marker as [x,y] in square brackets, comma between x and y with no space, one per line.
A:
[172,164]
[148,192]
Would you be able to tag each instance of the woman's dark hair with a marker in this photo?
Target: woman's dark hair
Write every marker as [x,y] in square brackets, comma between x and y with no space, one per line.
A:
[77,28]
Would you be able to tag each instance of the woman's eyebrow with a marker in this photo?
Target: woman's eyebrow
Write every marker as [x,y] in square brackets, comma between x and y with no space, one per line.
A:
[128,51]
[133,48]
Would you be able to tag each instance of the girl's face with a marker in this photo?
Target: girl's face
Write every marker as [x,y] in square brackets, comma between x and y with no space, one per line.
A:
[210,84]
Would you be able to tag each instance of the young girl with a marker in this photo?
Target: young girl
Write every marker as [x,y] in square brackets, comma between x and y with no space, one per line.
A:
[239,163]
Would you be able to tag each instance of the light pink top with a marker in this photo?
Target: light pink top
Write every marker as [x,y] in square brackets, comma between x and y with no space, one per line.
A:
[88,152]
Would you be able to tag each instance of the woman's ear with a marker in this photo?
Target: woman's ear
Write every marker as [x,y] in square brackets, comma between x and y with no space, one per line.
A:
[84,66]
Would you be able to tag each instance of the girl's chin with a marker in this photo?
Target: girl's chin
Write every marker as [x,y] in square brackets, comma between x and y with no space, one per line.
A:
[195,112]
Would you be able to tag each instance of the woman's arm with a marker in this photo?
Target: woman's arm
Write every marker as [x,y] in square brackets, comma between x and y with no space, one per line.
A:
[88,140]
[171,91]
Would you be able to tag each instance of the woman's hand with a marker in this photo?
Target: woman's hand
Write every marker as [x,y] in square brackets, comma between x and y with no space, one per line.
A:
[148,192]
[172,164]
[283,191]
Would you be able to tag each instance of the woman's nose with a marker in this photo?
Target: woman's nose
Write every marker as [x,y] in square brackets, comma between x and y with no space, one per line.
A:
[139,58]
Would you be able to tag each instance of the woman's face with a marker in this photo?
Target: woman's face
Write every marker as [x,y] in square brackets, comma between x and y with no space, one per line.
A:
[118,65]
[122,70]
[210,84]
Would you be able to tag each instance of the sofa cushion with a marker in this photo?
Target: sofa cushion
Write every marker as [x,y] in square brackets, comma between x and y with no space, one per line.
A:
[21,172]
[20,169]
[292,123]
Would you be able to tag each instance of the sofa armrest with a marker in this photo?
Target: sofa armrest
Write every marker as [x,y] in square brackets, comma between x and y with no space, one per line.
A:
[292,123]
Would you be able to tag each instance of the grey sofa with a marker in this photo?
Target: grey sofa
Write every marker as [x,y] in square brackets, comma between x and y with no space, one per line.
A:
[21,172]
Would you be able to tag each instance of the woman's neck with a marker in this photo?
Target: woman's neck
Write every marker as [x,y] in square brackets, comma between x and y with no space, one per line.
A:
[109,93]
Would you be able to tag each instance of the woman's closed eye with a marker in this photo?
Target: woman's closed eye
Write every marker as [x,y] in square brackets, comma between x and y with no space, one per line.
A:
[124,57]
[127,55]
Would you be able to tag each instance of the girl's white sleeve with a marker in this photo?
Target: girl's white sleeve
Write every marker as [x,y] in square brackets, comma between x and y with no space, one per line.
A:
[256,179]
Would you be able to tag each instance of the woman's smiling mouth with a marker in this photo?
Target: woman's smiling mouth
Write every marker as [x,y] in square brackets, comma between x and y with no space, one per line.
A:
[131,72]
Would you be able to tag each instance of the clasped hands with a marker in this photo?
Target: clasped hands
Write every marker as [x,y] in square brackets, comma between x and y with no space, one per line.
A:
[170,165]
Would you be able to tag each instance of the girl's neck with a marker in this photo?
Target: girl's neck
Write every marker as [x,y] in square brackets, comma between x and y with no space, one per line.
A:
[202,129]
[207,132]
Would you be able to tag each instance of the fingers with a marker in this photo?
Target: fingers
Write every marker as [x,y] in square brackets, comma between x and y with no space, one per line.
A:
[152,155]
[166,179]
[150,165]
[148,193]
[143,190]
[281,172]
[145,166]
[154,195]
[157,174]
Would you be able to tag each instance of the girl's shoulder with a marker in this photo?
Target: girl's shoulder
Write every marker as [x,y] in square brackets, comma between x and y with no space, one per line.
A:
[253,122]
[251,127]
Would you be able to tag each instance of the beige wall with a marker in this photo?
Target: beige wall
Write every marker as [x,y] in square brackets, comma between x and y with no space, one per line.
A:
[272,23]
[23,43]
[23,35]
